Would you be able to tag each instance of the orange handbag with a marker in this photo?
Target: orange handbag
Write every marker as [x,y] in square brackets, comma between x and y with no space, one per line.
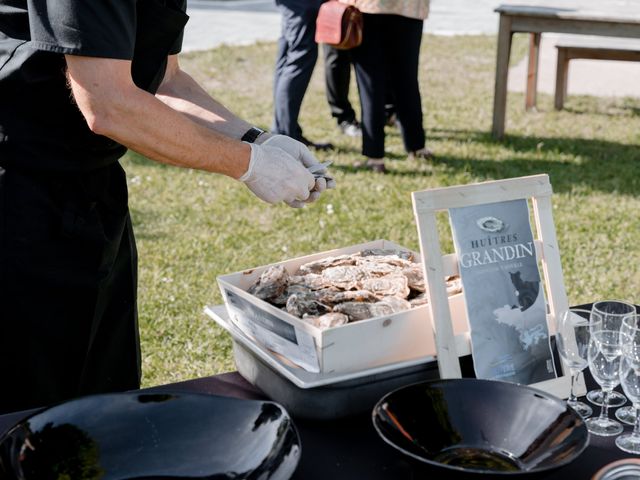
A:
[339,25]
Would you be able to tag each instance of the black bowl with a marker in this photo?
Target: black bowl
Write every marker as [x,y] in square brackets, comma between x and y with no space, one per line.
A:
[153,435]
[481,426]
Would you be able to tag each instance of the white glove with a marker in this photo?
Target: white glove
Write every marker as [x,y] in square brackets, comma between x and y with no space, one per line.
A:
[274,176]
[299,151]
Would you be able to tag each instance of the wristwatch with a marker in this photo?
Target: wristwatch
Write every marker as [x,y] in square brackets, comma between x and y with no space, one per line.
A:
[252,134]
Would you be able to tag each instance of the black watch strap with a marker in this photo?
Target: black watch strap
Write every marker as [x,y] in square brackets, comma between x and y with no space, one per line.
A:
[252,134]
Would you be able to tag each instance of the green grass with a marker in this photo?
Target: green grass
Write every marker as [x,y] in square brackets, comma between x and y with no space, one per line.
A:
[193,226]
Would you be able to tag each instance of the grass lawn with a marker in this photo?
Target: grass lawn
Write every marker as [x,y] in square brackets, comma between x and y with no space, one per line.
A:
[193,226]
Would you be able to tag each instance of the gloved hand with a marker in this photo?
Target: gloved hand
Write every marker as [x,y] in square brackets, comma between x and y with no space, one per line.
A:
[274,175]
[299,151]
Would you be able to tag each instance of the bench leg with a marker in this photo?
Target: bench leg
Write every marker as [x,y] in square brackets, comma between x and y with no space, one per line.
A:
[532,72]
[562,78]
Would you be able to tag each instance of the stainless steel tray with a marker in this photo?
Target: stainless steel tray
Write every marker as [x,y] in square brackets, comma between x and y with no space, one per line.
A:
[318,395]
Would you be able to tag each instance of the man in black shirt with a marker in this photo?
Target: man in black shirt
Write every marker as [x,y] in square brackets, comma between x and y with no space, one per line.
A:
[80,82]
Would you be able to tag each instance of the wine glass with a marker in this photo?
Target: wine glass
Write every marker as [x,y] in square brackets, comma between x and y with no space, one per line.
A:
[605,350]
[630,379]
[572,340]
[612,312]
[627,414]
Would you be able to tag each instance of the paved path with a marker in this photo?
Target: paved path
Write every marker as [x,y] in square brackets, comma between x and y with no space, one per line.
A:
[243,22]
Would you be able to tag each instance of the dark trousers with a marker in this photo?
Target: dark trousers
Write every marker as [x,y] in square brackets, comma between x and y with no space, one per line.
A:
[68,321]
[337,75]
[296,58]
[388,59]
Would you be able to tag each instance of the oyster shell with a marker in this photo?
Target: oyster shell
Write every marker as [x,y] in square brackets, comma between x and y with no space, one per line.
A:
[390,285]
[319,265]
[388,252]
[334,297]
[361,311]
[331,291]
[271,284]
[454,285]
[328,320]
[305,304]
[415,277]
[345,277]
[311,281]
[419,300]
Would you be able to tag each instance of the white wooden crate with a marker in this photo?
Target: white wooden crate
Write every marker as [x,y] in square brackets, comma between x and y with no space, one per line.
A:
[349,348]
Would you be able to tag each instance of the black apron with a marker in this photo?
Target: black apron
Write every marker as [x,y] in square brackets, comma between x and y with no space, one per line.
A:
[68,261]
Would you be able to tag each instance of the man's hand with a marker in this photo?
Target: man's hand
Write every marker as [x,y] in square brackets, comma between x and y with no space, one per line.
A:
[300,152]
[274,176]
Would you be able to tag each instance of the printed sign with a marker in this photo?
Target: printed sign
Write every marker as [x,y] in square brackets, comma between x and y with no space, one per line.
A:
[504,298]
[274,333]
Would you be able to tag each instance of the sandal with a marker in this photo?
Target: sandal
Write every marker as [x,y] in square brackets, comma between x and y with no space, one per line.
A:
[373,164]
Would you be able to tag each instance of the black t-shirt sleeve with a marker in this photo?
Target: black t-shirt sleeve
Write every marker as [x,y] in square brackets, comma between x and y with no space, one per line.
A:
[180,5]
[96,28]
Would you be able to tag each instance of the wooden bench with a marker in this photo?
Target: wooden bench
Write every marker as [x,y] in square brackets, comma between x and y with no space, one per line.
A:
[569,51]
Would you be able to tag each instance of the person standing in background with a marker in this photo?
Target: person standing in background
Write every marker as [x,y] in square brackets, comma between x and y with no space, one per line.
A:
[296,59]
[337,75]
[387,63]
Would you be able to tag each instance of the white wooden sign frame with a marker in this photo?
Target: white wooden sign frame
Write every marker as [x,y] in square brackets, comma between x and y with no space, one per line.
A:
[427,203]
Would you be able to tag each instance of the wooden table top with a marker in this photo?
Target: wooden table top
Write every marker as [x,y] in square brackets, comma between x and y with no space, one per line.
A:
[571,10]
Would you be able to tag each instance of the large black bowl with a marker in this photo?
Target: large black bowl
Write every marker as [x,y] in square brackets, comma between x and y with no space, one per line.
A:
[480,426]
[137,435]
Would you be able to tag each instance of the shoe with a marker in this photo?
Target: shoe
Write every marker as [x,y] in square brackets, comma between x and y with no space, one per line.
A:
[424,153]
[373,164]
[391,120]
[317,146]
[350,128]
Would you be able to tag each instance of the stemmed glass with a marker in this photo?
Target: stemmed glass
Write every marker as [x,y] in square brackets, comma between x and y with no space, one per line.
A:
[627,414]
[630,379]
[605,350]
[612,311]
[572,340]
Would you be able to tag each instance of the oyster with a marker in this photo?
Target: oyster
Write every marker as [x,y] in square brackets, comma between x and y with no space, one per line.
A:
[361,311]
[328,320]
[377,269]
[415,277]
[311,281]
[319,265]
[345,277]
[419,300]
[331,291]
[454,285]
[333,297]
[271,284]
[387,252]
[355,310]
[390,285]
[305,304]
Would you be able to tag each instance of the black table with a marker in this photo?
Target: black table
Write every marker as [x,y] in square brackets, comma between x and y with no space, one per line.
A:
[351,449]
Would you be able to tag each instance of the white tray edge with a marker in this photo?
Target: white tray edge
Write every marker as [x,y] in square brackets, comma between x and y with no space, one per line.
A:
[299,377]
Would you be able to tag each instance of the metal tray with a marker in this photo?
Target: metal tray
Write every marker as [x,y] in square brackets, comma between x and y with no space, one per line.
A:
[319,396]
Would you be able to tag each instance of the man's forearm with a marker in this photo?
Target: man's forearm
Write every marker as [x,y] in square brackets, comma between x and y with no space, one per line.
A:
[179,132]
[183,94]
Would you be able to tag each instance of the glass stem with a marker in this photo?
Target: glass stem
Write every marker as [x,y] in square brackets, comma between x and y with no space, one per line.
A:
[572,395]
[636,425]
[604,411]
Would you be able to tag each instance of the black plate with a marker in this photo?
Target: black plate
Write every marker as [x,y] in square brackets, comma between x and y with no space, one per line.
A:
[481,426]
[137,435]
